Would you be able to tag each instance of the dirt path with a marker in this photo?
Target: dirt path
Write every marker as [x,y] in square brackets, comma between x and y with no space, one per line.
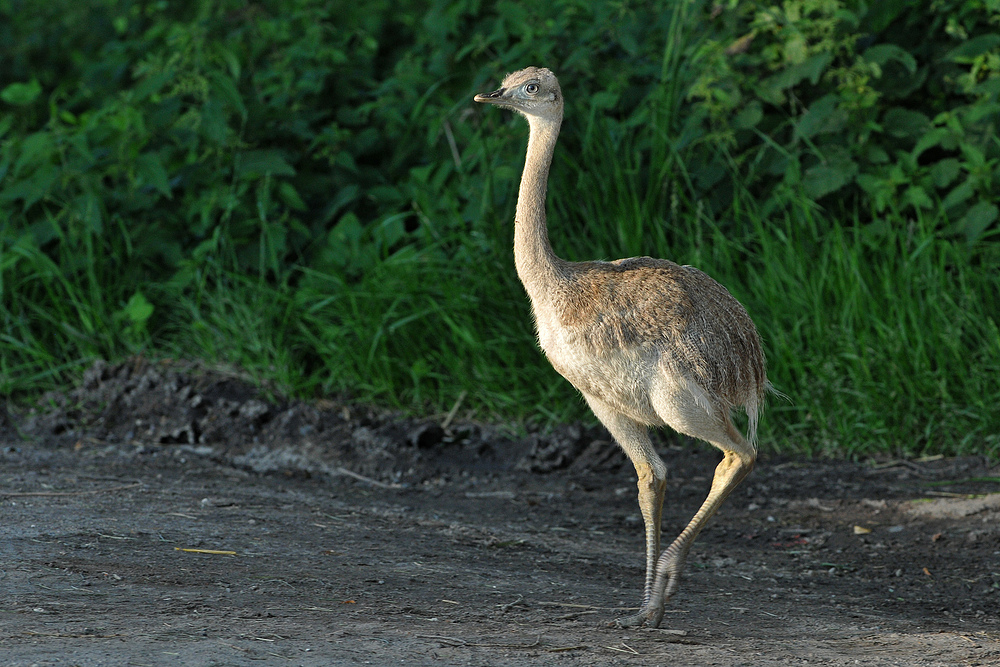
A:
[360,539]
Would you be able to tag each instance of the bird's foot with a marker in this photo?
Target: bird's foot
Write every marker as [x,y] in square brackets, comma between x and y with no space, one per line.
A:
[649,617]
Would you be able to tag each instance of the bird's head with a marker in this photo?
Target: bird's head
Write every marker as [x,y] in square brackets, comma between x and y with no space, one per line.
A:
[532,92]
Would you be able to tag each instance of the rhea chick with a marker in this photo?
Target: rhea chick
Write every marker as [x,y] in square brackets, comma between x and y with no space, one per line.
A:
[646,341]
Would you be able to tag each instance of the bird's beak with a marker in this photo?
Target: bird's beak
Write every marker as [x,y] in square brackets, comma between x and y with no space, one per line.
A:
[491,98]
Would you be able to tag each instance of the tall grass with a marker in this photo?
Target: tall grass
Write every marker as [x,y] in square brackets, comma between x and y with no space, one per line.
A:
[882,342]
[887,343]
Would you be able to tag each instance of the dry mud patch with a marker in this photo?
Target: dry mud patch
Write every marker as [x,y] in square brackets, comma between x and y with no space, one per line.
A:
[165,514]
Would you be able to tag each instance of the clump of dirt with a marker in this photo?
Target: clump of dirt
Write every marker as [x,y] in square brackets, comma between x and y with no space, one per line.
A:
[336,533]
[223,415]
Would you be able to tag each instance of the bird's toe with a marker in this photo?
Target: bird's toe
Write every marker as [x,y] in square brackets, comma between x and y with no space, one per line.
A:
[649,617]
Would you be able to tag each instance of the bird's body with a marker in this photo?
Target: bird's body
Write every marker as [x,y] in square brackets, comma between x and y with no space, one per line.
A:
[646,341]
[649,320]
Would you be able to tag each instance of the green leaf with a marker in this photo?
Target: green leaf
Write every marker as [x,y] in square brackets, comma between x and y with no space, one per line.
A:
[982,110]
[881,191]
[876,154]
[134,316]
[823,179]
[33,188]
[930,139]
[21,94]
[880,54]
[290,196]
[389,232]
[900,122]
[917,197]
[138,309]
[771,89]
[152,85]
[813,67]
[347,195]
[796,49]
[749,117]
[945,171]
[387,194]
[232,62]
[829,177]
[347,232]
[871,183]
[987,88]
[36,149]
[225,88]
[958,195]
[254,164]
[823,115]
[974,47]
[150,171]
[974,157]
[977,219]
[880,14]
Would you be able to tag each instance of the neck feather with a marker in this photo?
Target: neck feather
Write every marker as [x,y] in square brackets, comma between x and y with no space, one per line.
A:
[537,265]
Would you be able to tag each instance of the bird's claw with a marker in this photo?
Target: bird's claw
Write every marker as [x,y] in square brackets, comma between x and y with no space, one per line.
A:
[649,617]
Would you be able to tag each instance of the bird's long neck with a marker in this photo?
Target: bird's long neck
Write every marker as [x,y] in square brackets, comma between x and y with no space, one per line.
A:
[537,266]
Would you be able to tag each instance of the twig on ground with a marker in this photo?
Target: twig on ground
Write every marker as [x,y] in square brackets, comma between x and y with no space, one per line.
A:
[506,607]
[627,649]
[454,409]
[69,635]
[366,480]
[25,494]
[214,552]
[455,641]
[586,606]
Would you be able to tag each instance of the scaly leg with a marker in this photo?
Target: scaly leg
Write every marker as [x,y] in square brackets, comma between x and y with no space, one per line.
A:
[735,466]
[633,438]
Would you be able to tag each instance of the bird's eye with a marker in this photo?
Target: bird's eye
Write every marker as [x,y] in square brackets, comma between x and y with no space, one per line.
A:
[531,88]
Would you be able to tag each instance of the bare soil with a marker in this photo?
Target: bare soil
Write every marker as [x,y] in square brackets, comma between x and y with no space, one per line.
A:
[163,514]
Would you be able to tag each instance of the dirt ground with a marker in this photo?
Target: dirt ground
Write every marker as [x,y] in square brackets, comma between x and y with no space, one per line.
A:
[163,514]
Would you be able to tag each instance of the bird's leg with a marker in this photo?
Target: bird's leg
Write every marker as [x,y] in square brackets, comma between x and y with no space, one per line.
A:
[652,485]
[633,438]
[733,468]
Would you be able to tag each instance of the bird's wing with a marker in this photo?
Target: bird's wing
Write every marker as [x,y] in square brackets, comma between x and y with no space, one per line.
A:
[700,330]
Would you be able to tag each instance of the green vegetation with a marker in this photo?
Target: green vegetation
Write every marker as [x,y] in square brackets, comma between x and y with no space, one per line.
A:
[304,188]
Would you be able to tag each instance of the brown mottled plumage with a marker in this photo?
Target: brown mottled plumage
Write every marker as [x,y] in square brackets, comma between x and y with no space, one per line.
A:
[646,341]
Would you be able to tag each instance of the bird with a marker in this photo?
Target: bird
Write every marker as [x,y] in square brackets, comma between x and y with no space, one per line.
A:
[647,342]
